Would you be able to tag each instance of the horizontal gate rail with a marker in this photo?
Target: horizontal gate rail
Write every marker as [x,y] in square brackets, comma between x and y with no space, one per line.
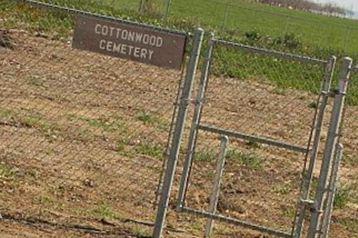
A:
[74,11]
[252,138]
[237,222]
[287,56]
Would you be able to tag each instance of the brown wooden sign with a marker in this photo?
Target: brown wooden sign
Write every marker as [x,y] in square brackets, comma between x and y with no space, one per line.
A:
[123,40]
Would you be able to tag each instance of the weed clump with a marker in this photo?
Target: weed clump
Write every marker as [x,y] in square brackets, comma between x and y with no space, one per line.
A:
[5,40]
[150,8]
[289,41]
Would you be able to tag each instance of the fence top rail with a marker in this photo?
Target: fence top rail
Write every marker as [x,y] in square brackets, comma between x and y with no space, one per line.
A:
[268,52]
[111,18]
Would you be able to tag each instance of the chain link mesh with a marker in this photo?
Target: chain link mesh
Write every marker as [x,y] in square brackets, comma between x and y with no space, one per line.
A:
[83,136]
[259,95]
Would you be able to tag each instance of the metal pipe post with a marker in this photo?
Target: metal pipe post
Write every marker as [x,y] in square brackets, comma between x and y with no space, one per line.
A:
[307,175]
[214,199]
[332,189]
[141,6]
[178,134]
[168,3]
[195,122]
[330,147]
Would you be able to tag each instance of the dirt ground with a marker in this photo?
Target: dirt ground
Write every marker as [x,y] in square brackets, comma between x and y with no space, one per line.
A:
[82,137]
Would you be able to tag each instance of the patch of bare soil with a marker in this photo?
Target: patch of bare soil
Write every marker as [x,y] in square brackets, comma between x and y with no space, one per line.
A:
[82,139]
[15,225]
[81,133]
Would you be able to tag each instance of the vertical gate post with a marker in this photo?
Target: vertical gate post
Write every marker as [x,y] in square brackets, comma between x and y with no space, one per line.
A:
[330,148]
[168,4]
[308,174]
[196,120]
[214,199]
[178,133]
[141,6]
[332,189]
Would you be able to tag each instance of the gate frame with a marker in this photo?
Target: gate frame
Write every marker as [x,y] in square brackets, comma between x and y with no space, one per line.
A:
[178,134]
[317,126]
[311,153]
[330,151]
[334,177]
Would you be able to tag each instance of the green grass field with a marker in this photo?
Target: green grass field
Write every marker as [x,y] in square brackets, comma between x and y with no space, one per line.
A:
[241,16]
[319,35]
[241,21]
[235,17]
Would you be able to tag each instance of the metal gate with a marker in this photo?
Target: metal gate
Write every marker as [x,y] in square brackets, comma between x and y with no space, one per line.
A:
[280,109]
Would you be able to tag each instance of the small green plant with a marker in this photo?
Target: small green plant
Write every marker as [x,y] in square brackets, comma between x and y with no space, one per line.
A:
[253,144]
[289,40]
[205,156]
[314,186]
[37,121]
[250,160]
[5,40]
[289,212]
[149,149]
[31,120]
[342,197]
[282,189]
[44,200]
[103,210]
[121,145]
[141,231]
[210,174]
[280,91]
[253,36]
[106,124]
[313,105]
[83,134]
[146,118]
[150,8]
[151,119]
[35,81]
[349,224]
[6,114]
[351,160]
[123,148]
[6,172]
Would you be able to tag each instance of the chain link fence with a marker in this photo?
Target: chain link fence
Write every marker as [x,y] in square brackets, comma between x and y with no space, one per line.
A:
[346,199]
[253,131]
[83,136]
